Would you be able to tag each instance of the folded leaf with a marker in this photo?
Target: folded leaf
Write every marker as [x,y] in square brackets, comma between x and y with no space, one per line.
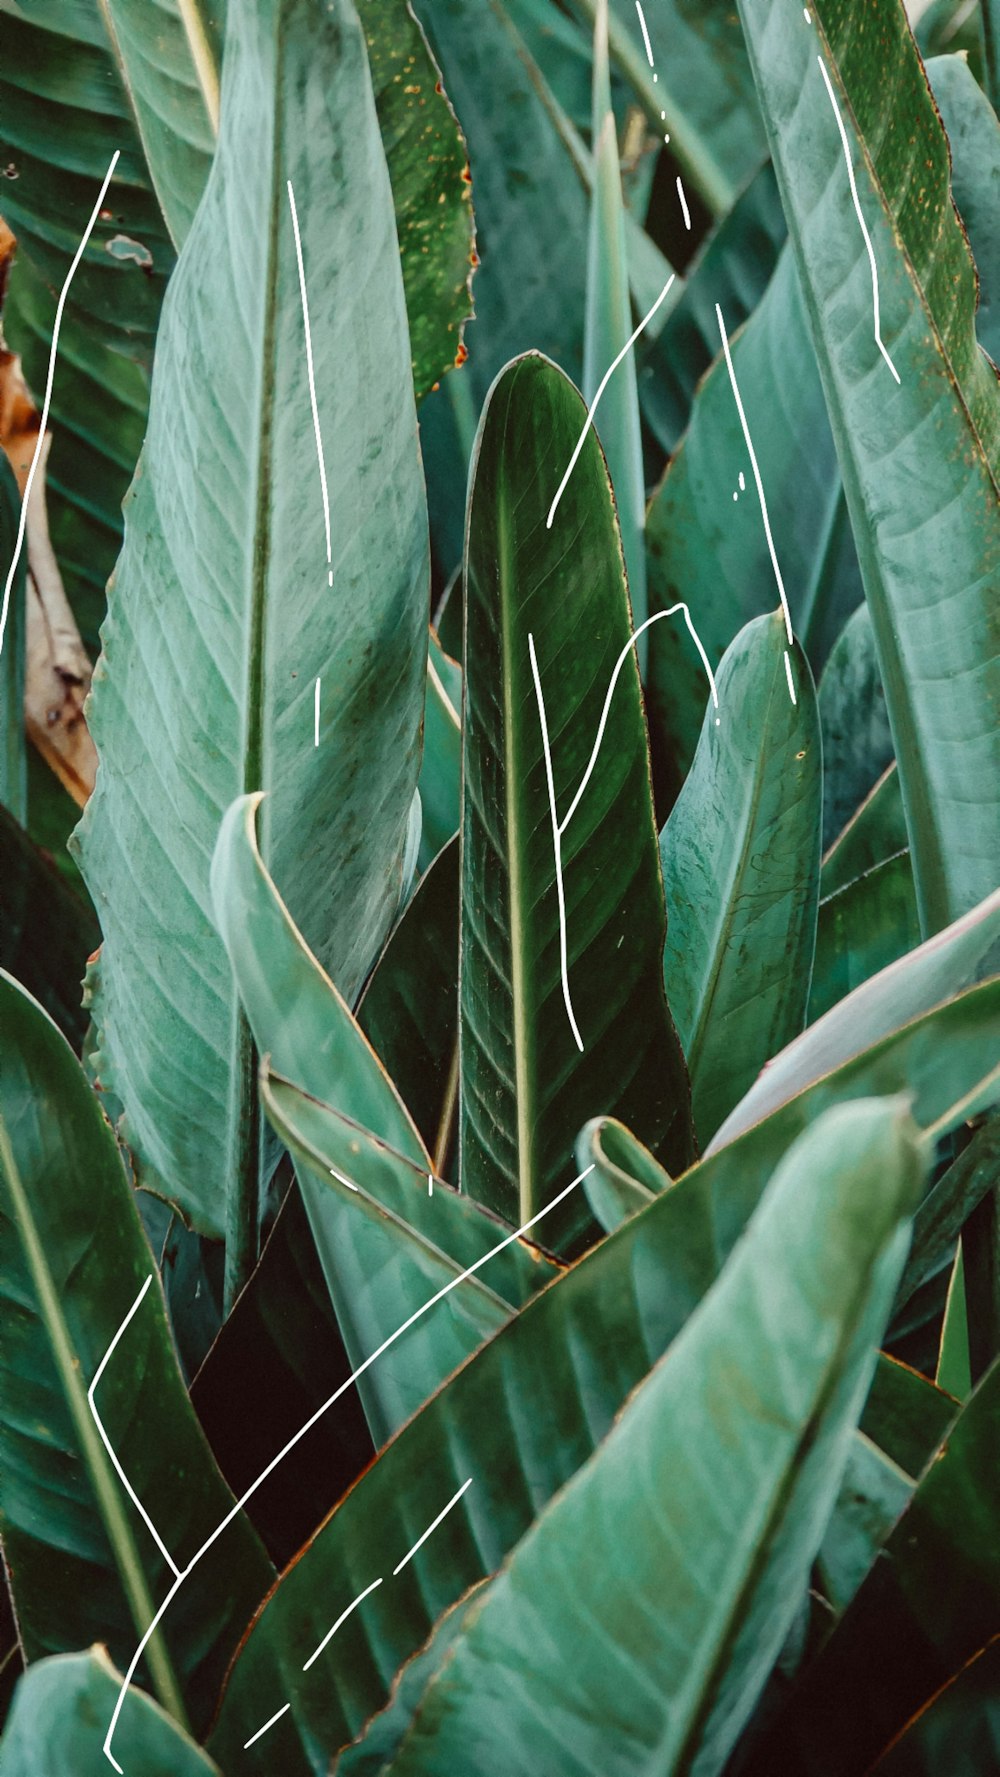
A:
[929,1605]
[221,599]
[875,833]
[59,1718]
[576,1351]
[83,1564]
[652,1650]
[562,1010]
[623,1175]
[968,951]
[740,854]
[927,525]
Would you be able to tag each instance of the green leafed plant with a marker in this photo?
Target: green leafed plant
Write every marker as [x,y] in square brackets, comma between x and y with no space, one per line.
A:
[532,1176]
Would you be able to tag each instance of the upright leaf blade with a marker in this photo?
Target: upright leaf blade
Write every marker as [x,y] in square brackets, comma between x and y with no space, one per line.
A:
[650,1650]
[72,1262]
[221,601]
[927,524]
[530,1077]
[59,1719]
[740,855]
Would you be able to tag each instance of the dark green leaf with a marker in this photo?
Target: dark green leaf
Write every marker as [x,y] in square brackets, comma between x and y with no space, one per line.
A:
[409,1011]
[72,1262]
[863,927]
[61,1710]
[530,1075]
[740,854]
[46,931]
[857,744]
[221,602]
[927,524]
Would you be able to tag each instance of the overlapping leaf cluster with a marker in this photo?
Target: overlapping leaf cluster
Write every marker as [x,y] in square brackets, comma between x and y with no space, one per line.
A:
[523,1073]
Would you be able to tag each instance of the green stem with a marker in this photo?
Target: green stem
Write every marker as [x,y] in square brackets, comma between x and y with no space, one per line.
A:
[105,1484]
[449,1107]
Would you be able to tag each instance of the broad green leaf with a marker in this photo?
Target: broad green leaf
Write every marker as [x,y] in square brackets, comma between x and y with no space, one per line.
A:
[64,114]
[83,1564]
[13,764]
[929,1606]
[299,1020]
[440,782]
[278,1357]
[863,927]
[46,931]
[968,951]
[948,1205]
[383,1735]
[439,1226]
[543,1048]
[707,541]
[576,1351]
[388,1239]
[733,269]
[623,1178]
[409,1010]
[857,744]
[875,833]
[608,327]
[59,1719]
[616,1638]
[221,603]
[926,523]
[740,854]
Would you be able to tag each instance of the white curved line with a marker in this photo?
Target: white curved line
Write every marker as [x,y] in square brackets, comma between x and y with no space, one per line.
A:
[106,1441]
[302,1431]
[556,849]
[756,475]
[857,210]
[602,385]
[328,1637]
[44,420]
[312,379]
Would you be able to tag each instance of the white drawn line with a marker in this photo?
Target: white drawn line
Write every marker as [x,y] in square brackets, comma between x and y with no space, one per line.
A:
[619,663]
[645,33]
[341,1619]
[430,1184]
[559,826]
[106,1441]
[788,676]
[684,203]
[432,1527]
[44,420]
[235,1511]
[268,1724]
[756,474]
[857,210]
[343,1180]
[556,848]
[602,385]
[316,715]
[312,381]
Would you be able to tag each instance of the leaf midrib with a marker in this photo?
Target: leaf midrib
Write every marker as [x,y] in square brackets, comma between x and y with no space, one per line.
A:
[520,973]
[105,1485]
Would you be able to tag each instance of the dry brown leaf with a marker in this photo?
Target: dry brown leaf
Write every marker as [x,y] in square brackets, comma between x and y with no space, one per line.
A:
[57,670]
